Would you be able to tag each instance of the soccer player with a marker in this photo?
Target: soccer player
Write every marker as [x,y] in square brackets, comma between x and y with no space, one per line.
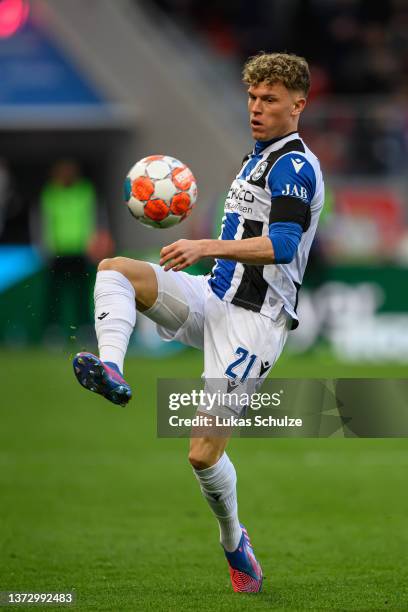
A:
[241,313]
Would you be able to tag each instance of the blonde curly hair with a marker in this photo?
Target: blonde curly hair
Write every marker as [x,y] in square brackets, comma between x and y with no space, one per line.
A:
[290,70]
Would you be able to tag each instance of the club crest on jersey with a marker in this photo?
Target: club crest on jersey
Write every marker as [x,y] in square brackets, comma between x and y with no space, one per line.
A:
[295,190]
[259,170]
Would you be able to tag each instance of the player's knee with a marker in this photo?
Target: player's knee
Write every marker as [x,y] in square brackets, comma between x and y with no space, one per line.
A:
[197,461]
[202,456]
[113,263]
[105,264]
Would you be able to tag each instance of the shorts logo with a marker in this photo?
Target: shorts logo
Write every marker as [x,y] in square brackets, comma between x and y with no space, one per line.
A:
[264,367]
[231,385]
[259,170]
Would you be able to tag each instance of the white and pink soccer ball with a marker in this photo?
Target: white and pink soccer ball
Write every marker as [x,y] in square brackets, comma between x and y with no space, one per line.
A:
[160,191]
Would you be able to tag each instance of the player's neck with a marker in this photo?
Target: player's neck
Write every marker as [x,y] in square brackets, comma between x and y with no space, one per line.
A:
[260,145]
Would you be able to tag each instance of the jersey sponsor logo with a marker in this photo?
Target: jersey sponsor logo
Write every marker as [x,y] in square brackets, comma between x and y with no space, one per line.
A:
[237,206]
[295,190]
[241,194]
[258,171]
[297,164]
[237,199]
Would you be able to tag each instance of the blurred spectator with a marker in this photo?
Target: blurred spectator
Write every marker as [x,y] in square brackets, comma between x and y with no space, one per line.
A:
[68,216]
[13,217]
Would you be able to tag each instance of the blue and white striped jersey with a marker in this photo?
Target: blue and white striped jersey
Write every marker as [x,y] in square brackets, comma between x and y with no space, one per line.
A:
[279,185]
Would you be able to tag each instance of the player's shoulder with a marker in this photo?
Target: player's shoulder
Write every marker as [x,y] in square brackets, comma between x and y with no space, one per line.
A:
[311,158]
[296,161]
[296,150]
[296,171]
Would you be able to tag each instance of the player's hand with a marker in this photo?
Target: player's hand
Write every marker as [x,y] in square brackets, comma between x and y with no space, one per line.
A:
[181,254]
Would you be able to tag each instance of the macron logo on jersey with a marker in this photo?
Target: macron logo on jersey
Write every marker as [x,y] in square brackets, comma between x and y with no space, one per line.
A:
[297,164]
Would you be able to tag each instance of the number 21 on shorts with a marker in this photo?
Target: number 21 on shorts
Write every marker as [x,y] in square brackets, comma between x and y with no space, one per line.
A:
[244,359]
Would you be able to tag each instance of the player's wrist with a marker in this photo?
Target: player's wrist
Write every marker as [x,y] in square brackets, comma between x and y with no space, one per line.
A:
[205,245]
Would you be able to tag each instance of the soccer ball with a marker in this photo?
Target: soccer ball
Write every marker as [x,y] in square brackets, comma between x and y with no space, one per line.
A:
[160,191]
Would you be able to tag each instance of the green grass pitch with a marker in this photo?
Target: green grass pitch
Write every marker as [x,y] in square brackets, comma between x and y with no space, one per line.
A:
[91,500]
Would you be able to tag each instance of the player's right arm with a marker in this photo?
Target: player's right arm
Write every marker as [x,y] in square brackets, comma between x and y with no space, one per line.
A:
[292,184]
[260,250]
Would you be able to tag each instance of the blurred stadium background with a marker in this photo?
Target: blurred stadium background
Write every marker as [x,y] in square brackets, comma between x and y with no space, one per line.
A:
[172,85]
[87,89]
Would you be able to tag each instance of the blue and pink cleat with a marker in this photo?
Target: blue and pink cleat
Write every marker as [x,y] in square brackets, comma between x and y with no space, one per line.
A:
[245,571]
[103,378]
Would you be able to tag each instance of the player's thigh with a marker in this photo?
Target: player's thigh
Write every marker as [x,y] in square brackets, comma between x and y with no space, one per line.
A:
[140,274]
[240,348]
[179,309]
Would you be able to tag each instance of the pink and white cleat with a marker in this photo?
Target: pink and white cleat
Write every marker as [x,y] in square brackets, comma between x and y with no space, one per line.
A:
[245,571]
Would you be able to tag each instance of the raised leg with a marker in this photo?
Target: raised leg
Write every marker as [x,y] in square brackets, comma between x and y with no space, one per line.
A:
[121,286]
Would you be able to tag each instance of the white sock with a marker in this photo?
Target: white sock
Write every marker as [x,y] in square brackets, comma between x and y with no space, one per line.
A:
[115,315]
[218,484]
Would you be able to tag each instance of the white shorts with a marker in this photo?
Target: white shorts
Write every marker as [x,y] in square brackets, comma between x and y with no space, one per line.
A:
[239,345]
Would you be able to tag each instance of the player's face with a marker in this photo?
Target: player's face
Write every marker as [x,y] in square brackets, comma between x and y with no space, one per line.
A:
[273,110]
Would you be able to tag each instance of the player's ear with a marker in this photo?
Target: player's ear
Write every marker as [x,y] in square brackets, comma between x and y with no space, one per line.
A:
[299,103]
